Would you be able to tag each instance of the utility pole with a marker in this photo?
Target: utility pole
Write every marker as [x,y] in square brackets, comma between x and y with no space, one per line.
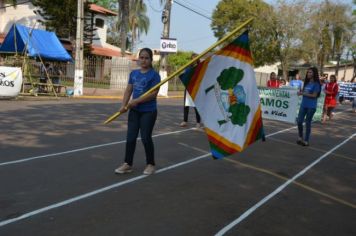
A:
[347,61]
[338,58]
[166,19]
[79,72]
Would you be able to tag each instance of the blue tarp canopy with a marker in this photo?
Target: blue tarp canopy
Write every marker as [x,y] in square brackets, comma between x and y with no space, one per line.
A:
[38,43]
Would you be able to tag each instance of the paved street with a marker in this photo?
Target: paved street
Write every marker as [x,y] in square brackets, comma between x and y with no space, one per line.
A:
[57,164]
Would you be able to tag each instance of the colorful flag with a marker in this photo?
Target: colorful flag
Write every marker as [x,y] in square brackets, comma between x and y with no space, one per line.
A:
[224,91]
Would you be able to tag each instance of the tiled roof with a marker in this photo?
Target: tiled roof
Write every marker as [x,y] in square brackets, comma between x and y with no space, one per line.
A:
[102,10]
[108,52]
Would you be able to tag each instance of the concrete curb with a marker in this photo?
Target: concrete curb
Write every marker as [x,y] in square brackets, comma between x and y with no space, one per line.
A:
[120,97]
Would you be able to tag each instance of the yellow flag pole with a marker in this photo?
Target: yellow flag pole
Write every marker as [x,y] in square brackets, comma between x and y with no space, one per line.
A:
[180,70]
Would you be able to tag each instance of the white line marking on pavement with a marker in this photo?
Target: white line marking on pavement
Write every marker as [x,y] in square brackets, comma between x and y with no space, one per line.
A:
[101,190]
[279,189]
[86,195]
[83,149]
[90,194]
[282,131]
[109,144]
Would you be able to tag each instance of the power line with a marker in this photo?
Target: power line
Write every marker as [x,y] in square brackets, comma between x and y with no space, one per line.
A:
[197,7]
[154,9]
[190,9]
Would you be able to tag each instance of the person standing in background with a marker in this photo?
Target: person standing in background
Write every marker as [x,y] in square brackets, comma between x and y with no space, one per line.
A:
[273,82]
[57,74]
[331,89]
[46,72]
[297,82]
[188,102]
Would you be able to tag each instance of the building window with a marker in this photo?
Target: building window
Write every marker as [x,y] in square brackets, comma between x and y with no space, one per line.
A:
[99,23]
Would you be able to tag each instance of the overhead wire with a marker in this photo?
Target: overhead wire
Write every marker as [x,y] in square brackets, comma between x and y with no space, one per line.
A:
[190,9]
[153,8]
[197,7]
[196,12]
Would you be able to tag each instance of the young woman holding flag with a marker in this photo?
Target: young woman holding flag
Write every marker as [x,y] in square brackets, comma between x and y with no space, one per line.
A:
[142,112]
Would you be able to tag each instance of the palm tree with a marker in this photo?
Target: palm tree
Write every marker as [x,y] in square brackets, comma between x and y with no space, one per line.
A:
[138,20]
[341,29]
[124,11]
[137,23]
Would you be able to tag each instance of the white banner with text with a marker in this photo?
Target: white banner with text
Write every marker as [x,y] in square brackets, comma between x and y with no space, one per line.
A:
[10,81]
[283,104]
[279,104]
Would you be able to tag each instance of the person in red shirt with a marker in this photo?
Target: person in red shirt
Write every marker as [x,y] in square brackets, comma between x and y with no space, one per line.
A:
[331,89]
[273,82]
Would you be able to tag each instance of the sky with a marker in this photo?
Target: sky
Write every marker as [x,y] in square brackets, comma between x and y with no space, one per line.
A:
[192,31]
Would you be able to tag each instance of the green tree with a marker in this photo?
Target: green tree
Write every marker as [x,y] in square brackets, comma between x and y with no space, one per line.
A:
[124,11]
[316,38]
[174,62]
[12,2]
[289,24]
[353,45]
[108,4]
[60,16]
[341,29]
[138,20]
[229,14]
[179,59]
[328,32]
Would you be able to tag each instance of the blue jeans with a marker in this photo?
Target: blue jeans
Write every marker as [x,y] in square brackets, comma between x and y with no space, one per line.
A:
[308,114]
[143,122]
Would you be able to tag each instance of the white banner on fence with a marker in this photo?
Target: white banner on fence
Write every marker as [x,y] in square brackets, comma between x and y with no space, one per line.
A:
[78,82]
[163,90]
[279,104]
[10,81]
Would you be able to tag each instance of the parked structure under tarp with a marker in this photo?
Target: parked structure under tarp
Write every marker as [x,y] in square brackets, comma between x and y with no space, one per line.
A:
[35,43]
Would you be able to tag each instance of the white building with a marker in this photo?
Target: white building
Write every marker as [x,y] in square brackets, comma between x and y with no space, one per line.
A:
[24,13]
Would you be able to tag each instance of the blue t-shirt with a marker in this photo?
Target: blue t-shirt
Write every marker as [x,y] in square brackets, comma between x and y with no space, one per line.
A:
[141,83]
[296,84]
[310,88]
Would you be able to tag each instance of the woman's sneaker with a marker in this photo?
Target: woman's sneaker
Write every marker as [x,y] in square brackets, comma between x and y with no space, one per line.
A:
[183,124]
[305,143]
[124,168]
[149,170]
[300,141]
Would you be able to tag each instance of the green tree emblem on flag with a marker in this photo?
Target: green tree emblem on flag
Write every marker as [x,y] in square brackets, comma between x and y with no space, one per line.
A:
[231,96]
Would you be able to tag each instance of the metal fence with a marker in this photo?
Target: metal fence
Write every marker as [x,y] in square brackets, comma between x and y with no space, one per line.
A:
[98,72]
